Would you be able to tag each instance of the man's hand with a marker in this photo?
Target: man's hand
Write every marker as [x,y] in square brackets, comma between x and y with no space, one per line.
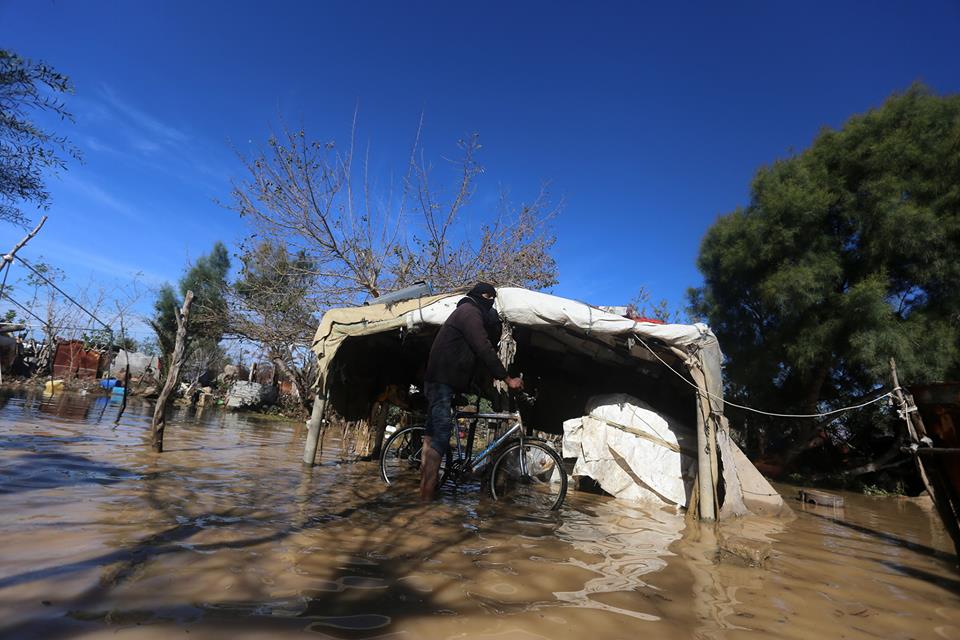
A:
[514,383]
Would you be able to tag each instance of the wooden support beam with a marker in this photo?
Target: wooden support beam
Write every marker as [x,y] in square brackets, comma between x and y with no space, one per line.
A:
[944,497]
[314,426]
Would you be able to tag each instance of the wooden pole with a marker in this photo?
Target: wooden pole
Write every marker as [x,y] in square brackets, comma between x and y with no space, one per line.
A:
[8,258]
[314,425]
[707,462]
[378,427]
[933,481]
[173,373]
[706,445]
[126,375]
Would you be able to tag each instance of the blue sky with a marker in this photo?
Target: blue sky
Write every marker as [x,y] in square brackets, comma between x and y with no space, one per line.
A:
[647,120]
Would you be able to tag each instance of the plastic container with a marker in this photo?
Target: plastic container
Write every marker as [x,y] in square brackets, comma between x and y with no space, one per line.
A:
[108,383]
[52,386]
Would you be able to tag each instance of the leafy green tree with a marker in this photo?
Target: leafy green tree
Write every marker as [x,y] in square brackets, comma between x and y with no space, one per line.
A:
[844,257]
[28,152]
[273,307]
[164,320]
[207,278]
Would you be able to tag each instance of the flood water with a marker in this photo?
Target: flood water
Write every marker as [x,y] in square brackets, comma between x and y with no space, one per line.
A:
[225,535]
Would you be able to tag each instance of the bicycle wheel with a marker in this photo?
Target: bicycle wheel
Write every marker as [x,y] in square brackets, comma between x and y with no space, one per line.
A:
[530,476]
[400,459]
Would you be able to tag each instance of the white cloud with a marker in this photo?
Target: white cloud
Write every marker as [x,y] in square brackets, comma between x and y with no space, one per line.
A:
[99,196]
[160,131]
[96,145]
[60,253]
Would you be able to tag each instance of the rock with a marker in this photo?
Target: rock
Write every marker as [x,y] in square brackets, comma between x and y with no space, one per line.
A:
[232,372]
[744,551]
[250,395]
[146,392]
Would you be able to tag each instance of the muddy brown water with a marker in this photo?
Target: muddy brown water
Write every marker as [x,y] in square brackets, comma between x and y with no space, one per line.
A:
[225,535]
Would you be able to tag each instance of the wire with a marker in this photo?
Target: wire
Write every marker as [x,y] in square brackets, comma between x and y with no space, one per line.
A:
[65,294]
[765,413]
[6,272]
[23,308]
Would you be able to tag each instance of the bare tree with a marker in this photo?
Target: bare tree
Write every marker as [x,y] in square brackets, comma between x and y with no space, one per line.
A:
[173,374]
[327,236]
[320,202]
[643,306]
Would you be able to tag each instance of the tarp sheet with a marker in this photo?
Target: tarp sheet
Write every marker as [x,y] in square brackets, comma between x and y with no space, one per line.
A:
[632,451]
[515,305]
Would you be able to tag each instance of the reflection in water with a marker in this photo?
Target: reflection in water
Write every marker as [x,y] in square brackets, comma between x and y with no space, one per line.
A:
[606,532]
[66,405]
[227,535]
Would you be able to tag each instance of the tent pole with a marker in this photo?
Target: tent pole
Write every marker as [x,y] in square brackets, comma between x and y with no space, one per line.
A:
[705,445]
[313,430]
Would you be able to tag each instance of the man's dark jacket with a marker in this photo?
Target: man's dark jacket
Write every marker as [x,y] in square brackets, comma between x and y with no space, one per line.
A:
[461,341]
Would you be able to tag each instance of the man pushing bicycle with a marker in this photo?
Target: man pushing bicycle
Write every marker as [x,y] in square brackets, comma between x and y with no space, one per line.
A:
[462,340]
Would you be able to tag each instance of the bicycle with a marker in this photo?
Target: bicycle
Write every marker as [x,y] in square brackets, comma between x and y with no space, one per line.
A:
[524,471]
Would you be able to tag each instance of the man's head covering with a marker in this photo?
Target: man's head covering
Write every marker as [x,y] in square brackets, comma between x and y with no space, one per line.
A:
[479,290]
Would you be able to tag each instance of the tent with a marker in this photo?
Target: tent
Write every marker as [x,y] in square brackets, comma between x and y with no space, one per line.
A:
[568,351]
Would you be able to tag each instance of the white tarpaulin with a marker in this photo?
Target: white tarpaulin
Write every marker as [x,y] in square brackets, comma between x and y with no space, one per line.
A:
[632,451]
[532,308]
[518,306]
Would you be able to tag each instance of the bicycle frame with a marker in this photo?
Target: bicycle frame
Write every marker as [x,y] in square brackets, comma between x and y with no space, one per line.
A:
[475,463]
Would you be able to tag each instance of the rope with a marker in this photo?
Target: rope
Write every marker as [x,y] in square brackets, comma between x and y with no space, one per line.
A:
[765,413]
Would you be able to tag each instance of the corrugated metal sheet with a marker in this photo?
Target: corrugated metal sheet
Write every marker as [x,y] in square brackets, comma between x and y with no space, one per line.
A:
[71,360]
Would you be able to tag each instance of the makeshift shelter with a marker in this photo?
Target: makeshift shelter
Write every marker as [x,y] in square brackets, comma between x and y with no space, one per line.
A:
[568,352]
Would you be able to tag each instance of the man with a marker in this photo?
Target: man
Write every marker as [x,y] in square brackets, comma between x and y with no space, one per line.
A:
[463,339]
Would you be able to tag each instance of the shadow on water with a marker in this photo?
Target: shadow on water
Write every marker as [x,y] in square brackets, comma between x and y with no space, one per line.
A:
[51,469]
[344,602]
[939,579]
[40,457]
[226,535]
[888,537]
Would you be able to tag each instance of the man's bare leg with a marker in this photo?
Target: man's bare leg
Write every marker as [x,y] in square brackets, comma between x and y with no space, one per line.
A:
[429,471]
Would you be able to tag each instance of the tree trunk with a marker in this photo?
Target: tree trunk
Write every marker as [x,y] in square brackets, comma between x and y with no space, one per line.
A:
[891,458]
[370,434]
[126,390]
[173,374]
[811,425]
